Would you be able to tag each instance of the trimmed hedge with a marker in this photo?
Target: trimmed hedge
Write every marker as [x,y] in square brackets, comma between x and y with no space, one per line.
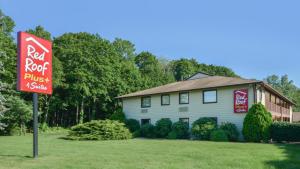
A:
[163,127]
[180,130]
[218,135]
[132,124]
[284,131]
[147,131]
[230,130]
[99,130]
[257,124]
[202,128]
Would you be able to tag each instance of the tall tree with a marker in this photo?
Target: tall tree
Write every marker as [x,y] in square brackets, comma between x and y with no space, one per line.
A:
[124,48]
[286,87]
[151,69]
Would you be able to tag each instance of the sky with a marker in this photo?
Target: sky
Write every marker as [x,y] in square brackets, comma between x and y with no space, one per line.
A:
[255,38]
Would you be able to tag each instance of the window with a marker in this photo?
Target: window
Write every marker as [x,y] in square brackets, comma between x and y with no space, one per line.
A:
[184,98]
[165,99]
[145,121]
[146,102]
[185,120]
[210,96]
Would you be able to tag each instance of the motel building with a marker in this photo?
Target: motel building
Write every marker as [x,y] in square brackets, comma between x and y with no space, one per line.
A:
[225,98]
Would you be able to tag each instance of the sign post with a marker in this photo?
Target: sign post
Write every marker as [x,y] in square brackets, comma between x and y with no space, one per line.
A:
[35,125]
[34,73]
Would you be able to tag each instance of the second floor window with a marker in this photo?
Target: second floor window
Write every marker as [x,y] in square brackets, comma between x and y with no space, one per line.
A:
[165,99]
[146,102]
[184,98]
[210,96]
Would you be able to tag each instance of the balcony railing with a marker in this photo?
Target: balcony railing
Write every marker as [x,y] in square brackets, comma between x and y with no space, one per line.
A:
[277,109]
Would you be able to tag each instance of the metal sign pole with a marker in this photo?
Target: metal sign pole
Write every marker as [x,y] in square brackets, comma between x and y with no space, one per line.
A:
[35,125]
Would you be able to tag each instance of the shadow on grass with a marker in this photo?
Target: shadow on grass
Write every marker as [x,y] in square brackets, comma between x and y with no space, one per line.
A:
[18,156]
[292,157]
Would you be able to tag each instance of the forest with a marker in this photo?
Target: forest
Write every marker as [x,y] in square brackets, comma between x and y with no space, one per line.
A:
[89,71]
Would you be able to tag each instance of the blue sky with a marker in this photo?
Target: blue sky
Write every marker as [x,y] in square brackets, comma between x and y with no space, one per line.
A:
[254,38]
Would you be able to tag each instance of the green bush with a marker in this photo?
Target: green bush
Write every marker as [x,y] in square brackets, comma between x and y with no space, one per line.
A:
[230,130]
[284,131]
[147,131]
[99,130]
[218,135]
[257,124]
[132,124]
[15,131]
[202,128]
[43,127]
[118,116]
[163,127]
[180,130]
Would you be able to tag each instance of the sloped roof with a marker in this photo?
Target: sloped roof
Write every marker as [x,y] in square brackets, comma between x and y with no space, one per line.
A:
[201,83]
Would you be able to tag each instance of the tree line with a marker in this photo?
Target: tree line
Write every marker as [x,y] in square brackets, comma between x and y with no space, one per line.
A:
[89,71]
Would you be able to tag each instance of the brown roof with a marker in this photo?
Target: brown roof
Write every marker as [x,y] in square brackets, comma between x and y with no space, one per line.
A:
[202,83]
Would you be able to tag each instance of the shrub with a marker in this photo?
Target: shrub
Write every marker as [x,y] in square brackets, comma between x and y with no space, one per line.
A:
[147,130]
[99,130]
[43,127]
[180,130]
[118,115]
[218,135]
[202,128]
[230,130]
[163,127]
[15,131]
[132,124]
[257,124]
[284,131]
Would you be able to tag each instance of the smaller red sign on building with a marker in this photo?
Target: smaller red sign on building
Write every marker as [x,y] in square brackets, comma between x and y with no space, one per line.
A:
[34,64]
[241,101]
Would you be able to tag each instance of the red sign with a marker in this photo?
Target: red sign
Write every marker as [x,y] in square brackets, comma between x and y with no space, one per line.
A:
[34,64]
[241,101]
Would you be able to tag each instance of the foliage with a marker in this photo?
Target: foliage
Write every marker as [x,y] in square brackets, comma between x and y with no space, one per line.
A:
[230,130]
[257,124]
[286,87]
[147,131]
[180,130]
[18,114]
[202,127]
[99,130]
[285,131]
[184,68]
[219,135]
[132,124]
[163,127]
[118,115]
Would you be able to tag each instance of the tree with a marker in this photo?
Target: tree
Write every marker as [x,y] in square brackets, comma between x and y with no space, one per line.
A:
[18,114]
[151,69]
[124,48]
[257,124]
[184,68]
[286,87]
[3,109]
[7,50]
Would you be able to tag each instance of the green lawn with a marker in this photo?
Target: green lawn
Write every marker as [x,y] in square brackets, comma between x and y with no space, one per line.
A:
[16,151]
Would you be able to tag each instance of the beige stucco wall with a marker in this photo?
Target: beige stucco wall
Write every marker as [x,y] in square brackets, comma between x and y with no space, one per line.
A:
[223,110]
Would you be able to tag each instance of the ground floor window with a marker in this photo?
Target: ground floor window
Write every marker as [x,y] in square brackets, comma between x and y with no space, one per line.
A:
[145,121]
[186,120]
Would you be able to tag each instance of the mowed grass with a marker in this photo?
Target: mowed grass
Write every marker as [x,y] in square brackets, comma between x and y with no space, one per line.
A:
[55,153]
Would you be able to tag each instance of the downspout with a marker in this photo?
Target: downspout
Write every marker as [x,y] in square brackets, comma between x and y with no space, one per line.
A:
[254,92]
